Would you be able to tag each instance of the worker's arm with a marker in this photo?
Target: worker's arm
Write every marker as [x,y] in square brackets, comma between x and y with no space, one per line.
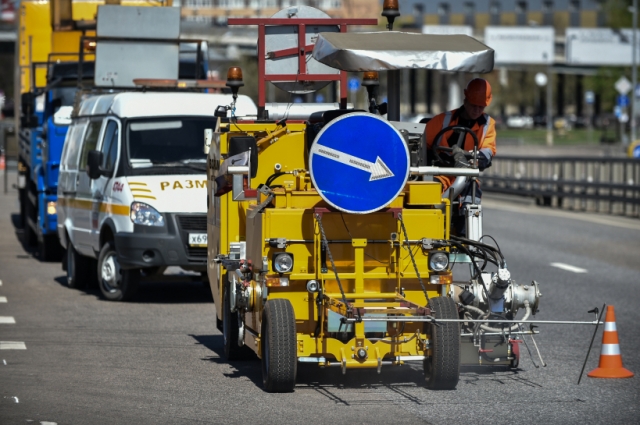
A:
[487,146]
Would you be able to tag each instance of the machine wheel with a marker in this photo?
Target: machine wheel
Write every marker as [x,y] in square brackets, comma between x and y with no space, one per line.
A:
[78,268]
[442,368]
[116,284]
[279,343]
[515,352]
[230,326]
[50,248]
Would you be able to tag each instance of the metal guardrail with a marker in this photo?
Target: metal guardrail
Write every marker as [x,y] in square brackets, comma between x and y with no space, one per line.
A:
[595,184]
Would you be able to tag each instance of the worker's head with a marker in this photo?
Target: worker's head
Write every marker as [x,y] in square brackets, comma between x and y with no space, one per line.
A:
[477,96]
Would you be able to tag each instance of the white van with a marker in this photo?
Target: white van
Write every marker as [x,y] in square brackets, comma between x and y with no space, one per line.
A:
[132,186]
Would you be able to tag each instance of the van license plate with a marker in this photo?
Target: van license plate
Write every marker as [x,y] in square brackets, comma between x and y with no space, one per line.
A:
[198,239]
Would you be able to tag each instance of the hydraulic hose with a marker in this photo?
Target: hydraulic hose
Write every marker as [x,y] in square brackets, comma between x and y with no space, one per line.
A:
[488,328]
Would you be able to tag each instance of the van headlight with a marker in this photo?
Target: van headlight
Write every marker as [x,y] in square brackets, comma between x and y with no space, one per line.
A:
[282,262]
[438,260]
[145,215]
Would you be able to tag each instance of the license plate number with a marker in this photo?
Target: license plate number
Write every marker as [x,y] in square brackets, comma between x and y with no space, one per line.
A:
[198,239]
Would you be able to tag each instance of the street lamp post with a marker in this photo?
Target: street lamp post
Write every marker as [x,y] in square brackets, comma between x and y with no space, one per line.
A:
[634,72]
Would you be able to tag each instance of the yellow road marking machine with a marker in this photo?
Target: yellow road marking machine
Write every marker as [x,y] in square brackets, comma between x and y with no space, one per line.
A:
[328,240]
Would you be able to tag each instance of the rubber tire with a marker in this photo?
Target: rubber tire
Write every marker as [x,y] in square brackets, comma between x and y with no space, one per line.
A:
[279,343]
[442,368]
[50,248]
[23,212]
[230,328]
[116,284]
[77,266]
[30,235]
[515,352]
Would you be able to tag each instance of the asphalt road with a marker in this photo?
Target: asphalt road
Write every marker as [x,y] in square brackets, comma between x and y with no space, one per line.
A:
[158,360]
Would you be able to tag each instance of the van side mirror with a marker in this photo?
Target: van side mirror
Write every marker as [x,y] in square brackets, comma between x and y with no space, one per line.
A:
[93,164]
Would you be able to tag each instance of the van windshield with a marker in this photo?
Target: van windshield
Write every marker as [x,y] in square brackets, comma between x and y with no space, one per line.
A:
[168,143]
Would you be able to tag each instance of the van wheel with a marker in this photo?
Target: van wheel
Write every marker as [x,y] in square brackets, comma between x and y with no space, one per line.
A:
[78,268]
[279,343]
[116,284]
[442,368]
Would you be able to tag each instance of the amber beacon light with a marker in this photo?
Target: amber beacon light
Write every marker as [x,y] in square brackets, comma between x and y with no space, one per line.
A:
[391,11]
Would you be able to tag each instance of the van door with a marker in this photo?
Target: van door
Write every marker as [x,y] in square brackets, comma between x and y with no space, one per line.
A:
[84,192]
[68,175]
[102,188]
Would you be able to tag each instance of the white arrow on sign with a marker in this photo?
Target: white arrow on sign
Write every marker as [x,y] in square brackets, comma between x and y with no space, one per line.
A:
[378,170]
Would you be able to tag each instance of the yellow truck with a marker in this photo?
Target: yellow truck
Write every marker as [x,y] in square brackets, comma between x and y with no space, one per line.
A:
[328,240]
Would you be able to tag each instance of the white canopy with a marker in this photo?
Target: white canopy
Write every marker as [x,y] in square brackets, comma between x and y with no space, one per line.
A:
[389,50]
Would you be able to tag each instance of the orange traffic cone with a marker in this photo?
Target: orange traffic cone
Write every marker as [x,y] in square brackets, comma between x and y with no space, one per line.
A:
[610,365]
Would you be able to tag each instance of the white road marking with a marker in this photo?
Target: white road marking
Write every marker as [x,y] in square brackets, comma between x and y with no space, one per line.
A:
[12,345]
[48,423]
[4,361]
[0,282]
[378,170]
[569,267]
[3,299]
[16,399]
[7,319]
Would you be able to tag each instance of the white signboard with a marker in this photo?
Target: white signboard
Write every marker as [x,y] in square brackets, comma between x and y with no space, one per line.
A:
[521,45]
[623,85]
[448,29]
[600,46]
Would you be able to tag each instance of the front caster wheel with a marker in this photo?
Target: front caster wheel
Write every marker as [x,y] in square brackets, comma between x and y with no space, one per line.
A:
[279,341]
[442,368]
[116,284]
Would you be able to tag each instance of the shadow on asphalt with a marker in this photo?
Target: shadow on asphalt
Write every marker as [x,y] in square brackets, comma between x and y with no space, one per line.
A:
[28,251]
[248,367]
[324,380]
[150,292]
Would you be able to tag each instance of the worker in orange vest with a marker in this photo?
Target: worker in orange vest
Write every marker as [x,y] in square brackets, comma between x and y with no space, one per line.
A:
[477,96]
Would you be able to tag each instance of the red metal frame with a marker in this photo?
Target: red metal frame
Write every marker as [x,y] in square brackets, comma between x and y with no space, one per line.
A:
[301,51]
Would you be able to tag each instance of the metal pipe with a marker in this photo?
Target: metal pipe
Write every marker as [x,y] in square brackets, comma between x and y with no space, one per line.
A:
[440,171]
[434,320]
[393,95]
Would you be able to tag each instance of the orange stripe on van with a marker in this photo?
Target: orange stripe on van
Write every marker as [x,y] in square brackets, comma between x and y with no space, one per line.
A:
[83,204]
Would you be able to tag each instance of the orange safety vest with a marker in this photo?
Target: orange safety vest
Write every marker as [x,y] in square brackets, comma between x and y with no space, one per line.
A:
[484,128]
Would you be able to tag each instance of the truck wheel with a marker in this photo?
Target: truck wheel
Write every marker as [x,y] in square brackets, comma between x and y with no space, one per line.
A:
[116,284]
[29,234]
[78,268]
[230,327]
[50,248]
[279,343]
[442,368]
[23,212]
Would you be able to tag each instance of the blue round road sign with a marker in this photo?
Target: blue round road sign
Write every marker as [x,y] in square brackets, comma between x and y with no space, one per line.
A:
[359,163]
